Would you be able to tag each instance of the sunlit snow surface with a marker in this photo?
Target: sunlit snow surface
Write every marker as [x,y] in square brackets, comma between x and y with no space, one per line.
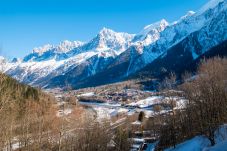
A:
[147,102]
[201,143]
[89,94]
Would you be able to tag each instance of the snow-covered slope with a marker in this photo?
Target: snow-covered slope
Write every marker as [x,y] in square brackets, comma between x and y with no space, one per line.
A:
[179,30]
[150,33]
[201,143]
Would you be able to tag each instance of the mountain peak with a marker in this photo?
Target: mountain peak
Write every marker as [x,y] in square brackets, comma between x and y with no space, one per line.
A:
[63,46]
[41,50]
[160,25]
[104,32]
[150,33]
[188,14]
[164,22]
[108,39]
[14,60]
[67,45]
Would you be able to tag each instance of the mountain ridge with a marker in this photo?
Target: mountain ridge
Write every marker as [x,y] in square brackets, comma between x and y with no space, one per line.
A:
[119,55]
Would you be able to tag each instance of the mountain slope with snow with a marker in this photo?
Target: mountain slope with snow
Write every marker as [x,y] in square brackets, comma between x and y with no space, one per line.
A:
[150,33]
[111,56]
[47,62]
[179,44]
[177,31]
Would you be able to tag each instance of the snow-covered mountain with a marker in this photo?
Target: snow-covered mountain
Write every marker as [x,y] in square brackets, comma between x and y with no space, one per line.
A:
[111,56]
[212,13]
[150,33]
[184,40]
[49,61]
[107,39]
[48,52]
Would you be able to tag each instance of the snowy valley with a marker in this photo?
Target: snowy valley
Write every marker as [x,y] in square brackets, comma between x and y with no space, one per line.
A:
[161,89]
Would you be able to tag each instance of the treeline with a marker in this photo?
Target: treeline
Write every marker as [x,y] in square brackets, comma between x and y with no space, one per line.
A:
[205,110]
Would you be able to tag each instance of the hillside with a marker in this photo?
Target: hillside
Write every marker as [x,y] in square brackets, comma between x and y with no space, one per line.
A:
[11,91]
[25,113]
[181,61]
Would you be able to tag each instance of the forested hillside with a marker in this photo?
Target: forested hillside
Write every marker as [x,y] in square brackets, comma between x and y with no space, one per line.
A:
[25,114]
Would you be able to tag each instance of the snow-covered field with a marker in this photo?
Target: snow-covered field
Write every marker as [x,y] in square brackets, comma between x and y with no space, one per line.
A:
[89,94]
[107,110]
[147,102]
[201,143]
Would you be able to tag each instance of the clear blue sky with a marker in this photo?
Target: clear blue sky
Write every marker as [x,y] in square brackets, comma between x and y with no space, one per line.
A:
[25,24]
